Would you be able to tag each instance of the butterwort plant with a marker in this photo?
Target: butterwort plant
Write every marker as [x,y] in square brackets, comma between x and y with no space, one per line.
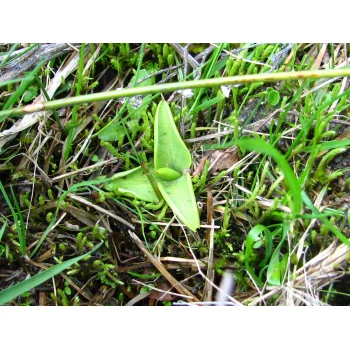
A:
[167,177]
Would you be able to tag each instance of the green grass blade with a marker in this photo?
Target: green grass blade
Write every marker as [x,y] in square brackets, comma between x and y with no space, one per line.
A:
[274,269]
[47,231]
[309,122]
[12,292]
[21,236]
[208,104]
[277,267]
[23,87]
[327,145]
[268,246]
[275,135]
[2,230]
[260,146]
[125,104]
[207,73]
[42,87]
[21,233]
[209,70]
[315,211]
[3,62]
[72,131]
[145,277]
[12,81]
[20,54]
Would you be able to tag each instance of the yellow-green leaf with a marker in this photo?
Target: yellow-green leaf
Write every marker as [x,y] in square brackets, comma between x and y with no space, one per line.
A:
[169,149]
[180,197]
[133,183]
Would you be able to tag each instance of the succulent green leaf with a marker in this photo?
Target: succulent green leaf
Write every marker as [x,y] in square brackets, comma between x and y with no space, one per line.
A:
[180,197]
[169,149]
[133,183]
[168,174]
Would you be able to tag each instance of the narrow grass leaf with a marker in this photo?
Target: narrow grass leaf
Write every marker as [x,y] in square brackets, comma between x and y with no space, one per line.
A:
[209,103]
[72,131]
[268,246]
[308,124]
[23,87]
[145,277]
[325,146]
[42,238]
[260,146]
[8,82]
[15,219]
[276,268]
[12,292]
[42,87]
[21,233]
[8,55]
[276,133]
[207,73]
[315,211]
[2,230]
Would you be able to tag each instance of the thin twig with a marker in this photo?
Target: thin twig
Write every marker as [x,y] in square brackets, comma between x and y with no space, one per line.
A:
[161,268]
[90,167]
[100,209]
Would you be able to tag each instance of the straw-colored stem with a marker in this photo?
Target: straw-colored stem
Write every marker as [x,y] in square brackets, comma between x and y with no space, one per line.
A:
[163,88]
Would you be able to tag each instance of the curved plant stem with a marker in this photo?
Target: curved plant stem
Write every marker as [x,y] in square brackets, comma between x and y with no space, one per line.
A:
[163,88]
